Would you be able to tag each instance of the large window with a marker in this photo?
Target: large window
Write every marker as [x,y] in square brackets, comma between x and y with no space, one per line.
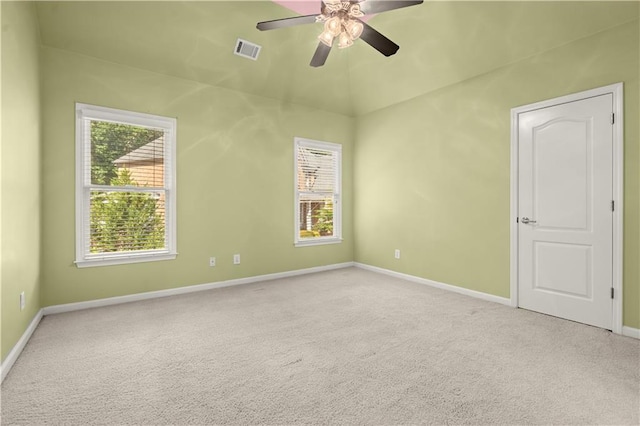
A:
[125,187]
[317,192]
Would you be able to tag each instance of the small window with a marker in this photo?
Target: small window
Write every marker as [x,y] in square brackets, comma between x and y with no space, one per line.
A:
[317,192]
[125,187]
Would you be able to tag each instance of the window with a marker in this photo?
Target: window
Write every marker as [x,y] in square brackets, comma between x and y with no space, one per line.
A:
[317,192]
[125,187]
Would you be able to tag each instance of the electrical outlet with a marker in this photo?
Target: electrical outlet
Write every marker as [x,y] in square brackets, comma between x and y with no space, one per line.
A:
[397,254]
[23,301]
[212,261]
[236,259]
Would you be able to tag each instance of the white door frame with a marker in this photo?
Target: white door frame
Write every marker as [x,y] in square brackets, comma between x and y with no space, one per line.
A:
[616,90]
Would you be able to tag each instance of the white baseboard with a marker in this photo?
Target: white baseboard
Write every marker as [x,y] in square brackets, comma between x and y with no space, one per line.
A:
[443,286]
[19,346]
[626,331]
[69,307]
[631,332]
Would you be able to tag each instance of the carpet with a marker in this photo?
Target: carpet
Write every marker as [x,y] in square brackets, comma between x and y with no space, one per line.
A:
[341,347]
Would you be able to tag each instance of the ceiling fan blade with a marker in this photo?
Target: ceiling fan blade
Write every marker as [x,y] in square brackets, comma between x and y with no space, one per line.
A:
[378,41]
[286,22]
[376,6]
[320,57]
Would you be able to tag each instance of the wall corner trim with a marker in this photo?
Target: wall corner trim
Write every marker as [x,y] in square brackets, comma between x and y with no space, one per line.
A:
[19,346]
[631,332]
[461,290]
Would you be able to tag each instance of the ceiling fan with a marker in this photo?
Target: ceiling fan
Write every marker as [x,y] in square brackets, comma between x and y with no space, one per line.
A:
[342,21]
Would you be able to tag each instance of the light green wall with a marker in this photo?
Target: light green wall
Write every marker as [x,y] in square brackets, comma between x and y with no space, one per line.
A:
[234,179]
[439,162]
[20,185]
[431,175]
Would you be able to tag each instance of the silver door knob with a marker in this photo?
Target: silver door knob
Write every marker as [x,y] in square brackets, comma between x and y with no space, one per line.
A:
[526,220]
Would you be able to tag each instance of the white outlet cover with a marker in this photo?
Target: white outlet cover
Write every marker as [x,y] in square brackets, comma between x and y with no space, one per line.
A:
[212,261]
[23,301]
[397,254]
[236,259]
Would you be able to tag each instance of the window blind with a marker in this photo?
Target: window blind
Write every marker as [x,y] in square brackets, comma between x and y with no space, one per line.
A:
[317,190]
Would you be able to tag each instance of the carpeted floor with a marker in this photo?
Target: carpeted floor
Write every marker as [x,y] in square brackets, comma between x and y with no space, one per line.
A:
[342,347]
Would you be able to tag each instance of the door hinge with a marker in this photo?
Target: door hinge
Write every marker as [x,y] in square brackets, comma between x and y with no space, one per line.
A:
[613,118]
[613,206]
[612,292]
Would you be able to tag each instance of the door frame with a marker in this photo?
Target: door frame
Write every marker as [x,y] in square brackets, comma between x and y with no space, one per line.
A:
[616,90]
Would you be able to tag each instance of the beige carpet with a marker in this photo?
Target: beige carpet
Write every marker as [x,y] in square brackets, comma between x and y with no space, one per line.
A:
[343,347]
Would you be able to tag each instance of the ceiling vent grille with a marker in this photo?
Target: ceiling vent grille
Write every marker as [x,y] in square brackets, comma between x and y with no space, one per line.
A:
[247,49]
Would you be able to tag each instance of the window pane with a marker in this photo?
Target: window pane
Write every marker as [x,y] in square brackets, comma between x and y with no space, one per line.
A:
[126,221]
[316,217]
[118,147]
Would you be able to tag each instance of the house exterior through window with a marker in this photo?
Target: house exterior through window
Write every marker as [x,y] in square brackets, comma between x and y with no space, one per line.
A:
[125,187]
[318,208]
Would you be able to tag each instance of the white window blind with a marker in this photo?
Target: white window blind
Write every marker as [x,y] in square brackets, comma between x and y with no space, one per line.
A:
[317,192]
[125,186]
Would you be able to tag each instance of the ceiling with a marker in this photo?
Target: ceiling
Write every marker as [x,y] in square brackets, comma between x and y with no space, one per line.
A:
[441,43]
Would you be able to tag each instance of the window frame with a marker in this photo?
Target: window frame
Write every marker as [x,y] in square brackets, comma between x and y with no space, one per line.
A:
[336,238]
[83,188]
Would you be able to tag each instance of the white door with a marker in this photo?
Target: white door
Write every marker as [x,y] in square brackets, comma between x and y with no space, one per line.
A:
[565,219]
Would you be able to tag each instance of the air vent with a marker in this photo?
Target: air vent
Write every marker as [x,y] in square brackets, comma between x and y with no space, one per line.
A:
[247,49]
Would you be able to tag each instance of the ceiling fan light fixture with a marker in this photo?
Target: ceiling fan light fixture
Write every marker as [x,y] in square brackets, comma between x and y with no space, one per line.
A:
[333,25]
[326,37]
[340,20]
[354,28]
[344,40]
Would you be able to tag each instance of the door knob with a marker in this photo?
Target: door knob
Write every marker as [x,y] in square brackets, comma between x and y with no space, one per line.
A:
[527,221]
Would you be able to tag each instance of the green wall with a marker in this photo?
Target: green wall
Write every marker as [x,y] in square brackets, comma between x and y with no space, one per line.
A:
[234,179]
[20,184]
[431,175]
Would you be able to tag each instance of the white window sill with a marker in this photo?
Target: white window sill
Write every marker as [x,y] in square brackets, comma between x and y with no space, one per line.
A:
[318,242]
[124,259]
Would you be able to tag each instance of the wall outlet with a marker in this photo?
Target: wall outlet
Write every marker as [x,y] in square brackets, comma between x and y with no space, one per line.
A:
[212,261]
[23,301]
[397,254]
[236,259]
